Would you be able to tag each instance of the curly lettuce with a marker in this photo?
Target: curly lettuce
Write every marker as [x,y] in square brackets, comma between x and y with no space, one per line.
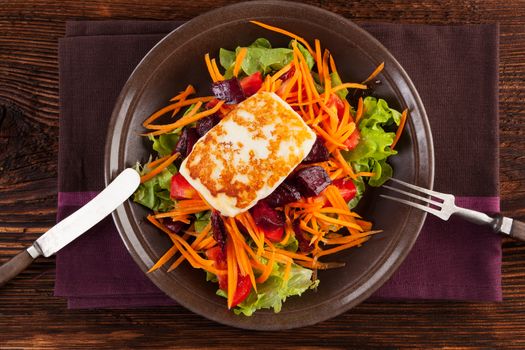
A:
[261,57]
[273,292]
[374,147]
[155,193]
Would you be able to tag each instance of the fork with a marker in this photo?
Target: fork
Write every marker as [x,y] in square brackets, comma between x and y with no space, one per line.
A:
[443,206]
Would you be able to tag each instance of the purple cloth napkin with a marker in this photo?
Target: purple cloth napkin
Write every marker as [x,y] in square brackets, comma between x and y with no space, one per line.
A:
[455,69]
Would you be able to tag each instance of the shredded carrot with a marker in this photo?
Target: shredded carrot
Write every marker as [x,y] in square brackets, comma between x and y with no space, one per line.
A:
[360,109]
[321,266]
[218,74]
[242,259]
[344,165]
[287,271]
[232,272]
[337,221]
[238,61]
[375,72]
[326,76]
[246,220]
[175,106]
[176,263]
[158,169]
[276,85]
[281,72]
[201,235]
[211,70]
[365,173]
[348,239]
[190,114]
[304,226]
[345,131]
[285,32]
[182,212]
[267,269]
[193,258]
[268,83]
[183,217]
[278,257]
[328,137]
[293,255]
[346,121]
[182,95]
[307,77]
[343,247]
[289,85]
[153,164]
[307,103]
[335,210]
[366,225]
[167,256]
[318,59]
[336,174]
[349,86]
[206,243]
[288,231]
[400,128]
[333,68]
[189,118]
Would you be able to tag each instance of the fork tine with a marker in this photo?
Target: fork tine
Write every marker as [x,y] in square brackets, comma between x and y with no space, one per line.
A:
[409,194]
[415,205]
[417,188]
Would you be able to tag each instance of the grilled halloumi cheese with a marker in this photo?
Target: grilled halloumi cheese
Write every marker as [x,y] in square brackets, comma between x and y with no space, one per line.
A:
[248,154]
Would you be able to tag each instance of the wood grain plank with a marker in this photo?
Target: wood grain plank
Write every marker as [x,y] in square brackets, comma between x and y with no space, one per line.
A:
[31,317]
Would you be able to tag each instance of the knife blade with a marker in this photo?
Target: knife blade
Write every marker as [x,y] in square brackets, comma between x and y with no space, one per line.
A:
[74,225]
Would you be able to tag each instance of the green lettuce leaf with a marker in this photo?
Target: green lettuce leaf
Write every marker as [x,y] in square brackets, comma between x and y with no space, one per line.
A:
[202,219]
[291,245]
[261,57]
[307,56]
[226,58]
[373,149]
[165,143]
[265,60]
[336,80]
[274,291]
[262,43]
[155,193]
[360,191]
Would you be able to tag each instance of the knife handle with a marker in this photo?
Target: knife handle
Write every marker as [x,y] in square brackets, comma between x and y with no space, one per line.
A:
[13,267]
[518,230]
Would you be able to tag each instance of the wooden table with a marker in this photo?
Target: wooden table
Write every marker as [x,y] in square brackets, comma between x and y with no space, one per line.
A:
[31,317]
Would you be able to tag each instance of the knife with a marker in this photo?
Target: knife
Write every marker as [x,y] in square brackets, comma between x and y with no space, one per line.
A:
[74,225]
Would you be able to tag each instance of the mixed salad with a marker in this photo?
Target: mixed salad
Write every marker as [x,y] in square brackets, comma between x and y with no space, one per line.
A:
[273,251]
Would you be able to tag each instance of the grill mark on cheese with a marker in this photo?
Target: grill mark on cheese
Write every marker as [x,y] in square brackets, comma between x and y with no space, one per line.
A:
[248,154]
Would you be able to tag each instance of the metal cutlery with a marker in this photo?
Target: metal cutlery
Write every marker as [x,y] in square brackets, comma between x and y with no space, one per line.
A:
[443,206]
[74,225]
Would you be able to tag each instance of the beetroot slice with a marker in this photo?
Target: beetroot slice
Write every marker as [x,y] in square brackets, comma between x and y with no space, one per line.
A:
[174,226]
[228,90]
[282,195]
[304,242]
[192,139]
[219,231]
[318,153]
[266,217]
[186,141]
[205,124]
[311,181]
[182,143]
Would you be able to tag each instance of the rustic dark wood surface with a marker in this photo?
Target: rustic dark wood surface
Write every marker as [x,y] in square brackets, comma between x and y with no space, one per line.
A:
[31,317]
